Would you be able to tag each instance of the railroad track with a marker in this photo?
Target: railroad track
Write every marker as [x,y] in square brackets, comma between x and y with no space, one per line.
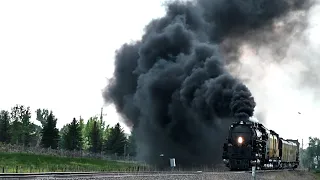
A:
[59,175]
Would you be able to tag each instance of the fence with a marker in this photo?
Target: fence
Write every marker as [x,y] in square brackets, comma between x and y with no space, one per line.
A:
[62,168]
[63,153]
[135,168]
[85,154]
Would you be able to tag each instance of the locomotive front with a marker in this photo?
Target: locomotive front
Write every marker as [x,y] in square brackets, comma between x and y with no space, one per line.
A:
[237,153]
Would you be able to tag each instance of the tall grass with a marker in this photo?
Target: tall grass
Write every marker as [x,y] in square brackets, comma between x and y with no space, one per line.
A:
[24,162]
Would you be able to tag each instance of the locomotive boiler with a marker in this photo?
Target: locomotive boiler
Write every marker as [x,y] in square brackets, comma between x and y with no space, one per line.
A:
[251,144]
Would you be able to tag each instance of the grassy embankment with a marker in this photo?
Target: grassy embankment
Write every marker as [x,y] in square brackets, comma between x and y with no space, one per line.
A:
[23,162]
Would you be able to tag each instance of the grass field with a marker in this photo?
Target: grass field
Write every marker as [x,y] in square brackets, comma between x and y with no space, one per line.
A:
[22,162]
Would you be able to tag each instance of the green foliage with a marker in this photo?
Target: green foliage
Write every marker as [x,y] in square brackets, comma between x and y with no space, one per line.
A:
[42,116]
[310,157]
[86,132]
[73,137]
[82,127]
[132,147]
[21,128]
[50,134]
[62,134]
[35,135]
[116,142]
[35,163]
[95,138]
[4,127]
[94,135]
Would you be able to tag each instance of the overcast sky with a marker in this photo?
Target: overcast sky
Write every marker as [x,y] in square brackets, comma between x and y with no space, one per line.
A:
[58,54]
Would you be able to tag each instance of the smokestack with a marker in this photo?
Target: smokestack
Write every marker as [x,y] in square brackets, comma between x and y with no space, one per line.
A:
[175,88]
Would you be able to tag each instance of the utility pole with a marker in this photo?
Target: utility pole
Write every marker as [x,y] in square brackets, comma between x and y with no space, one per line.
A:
[101,116]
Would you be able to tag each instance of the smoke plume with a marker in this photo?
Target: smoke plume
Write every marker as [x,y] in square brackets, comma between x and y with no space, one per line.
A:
[286,88]
[178,86]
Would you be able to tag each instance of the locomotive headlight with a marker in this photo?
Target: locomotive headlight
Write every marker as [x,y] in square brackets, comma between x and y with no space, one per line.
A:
[240,140]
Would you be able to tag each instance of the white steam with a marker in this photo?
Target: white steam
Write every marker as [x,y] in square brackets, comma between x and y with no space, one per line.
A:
[287,91]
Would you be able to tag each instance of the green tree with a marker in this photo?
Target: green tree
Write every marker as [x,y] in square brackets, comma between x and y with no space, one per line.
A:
[26,126]
[21,126]
[310,156]
[4,127]
[62,133]
[82,127]
[16,127]
[50,133]
[73,137]
[95,138]
[314,150]
[42,116]
[87,131]
[132,147]
[35,138]
[116,142]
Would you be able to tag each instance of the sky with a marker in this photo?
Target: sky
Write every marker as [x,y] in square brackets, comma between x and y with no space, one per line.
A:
[59,54]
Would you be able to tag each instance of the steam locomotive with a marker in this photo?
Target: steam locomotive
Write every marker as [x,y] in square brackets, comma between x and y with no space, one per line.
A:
[251,144]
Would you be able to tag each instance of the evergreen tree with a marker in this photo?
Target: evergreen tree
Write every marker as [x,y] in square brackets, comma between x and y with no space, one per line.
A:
[95,138]
[87,132]
[83,127]
[62,133]
[4,127]
[132,147]
[116,142]
[73,137]
[50,134]
[16,127]
[106,133]
[21,128]
[26,126]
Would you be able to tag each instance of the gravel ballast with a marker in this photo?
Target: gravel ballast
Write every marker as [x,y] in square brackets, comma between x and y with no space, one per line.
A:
[281,175]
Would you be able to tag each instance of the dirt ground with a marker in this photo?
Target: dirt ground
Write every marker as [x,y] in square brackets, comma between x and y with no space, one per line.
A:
[289,175]
[279,175]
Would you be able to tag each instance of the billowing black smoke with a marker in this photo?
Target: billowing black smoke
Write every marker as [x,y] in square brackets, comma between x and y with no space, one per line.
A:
[173,86]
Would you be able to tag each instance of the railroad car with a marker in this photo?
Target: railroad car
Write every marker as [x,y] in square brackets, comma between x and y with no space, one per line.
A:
[251,144]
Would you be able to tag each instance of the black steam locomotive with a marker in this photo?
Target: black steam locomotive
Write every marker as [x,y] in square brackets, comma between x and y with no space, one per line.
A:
[251,144]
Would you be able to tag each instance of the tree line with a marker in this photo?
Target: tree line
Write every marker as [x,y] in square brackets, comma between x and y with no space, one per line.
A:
[93,135]
[310,157]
